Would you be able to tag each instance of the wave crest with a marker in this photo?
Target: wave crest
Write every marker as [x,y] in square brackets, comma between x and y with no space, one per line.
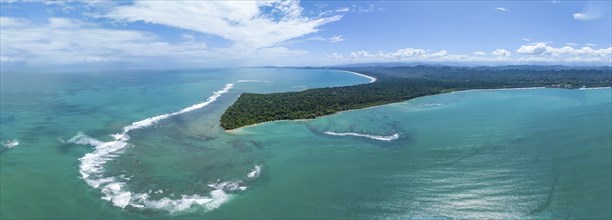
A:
[113,188]
[10,143]
[374,137]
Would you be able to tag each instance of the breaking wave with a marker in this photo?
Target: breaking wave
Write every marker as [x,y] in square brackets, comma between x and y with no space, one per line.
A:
[374,137]
[8,144]
[255,172]
[152,120]
[114,188]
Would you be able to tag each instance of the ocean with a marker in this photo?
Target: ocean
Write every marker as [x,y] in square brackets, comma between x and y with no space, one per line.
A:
[144,144]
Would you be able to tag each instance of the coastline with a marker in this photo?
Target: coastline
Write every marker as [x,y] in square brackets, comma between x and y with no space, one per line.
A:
[372,79]
[592,88]
[236,130]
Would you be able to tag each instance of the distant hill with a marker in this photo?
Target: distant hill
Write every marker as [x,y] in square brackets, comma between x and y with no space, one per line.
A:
[491,67]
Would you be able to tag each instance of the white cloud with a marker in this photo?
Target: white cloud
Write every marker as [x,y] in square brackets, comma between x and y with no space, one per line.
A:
[257,30]
[333,39]
[7,22]
[592,10]
[501,53]
[67,41]
[318,38]
[63,41]
[571,44]
[405,54]
[557,55]
[360,54]
[401,55]
[439,53]
[582,17]
[249,24]
[537,48]
[336,38]
[370,8]
[335,56]
[502,9]
[342,10]
[591,44]
[526,39]
[543,49]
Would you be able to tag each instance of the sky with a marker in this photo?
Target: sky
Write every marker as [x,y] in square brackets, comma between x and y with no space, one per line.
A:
[166,34]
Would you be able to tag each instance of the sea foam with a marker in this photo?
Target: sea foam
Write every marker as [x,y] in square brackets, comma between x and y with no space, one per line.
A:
[10,143]
[374,137]
[153,120]
[255,172]
[113,188]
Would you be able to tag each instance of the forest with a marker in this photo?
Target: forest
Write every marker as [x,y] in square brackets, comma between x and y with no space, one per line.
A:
[397,84]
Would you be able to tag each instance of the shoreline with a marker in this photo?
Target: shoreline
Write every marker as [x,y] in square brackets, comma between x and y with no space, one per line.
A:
[235,130]
[592,88]
[372,79]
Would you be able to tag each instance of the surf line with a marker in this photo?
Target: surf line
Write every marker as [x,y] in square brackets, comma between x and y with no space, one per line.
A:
[113,188]
[374,137]
[8,144]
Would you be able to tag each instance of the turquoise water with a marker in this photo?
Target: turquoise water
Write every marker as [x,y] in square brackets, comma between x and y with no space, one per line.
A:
[539,153]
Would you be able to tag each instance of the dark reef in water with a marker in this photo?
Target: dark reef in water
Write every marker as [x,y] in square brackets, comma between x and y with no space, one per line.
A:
[397,84]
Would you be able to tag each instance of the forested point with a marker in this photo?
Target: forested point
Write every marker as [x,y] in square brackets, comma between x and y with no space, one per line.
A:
[397,84]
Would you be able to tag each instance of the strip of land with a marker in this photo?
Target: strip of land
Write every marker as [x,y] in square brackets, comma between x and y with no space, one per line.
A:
[397,84]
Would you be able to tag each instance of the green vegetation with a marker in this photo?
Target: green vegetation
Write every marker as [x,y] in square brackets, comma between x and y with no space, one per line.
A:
[396,84]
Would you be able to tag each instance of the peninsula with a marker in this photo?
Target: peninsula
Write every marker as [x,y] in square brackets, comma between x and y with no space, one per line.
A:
[397,84]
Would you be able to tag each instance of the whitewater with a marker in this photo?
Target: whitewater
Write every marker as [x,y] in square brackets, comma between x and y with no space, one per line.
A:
[113,188]
[373,137]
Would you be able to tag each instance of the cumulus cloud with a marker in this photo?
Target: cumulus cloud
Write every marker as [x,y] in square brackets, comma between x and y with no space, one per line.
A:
[335,56]
[532,53]
[250,25]
[405,54]
[501,53]
[439,53]
[537,48]
[543,49]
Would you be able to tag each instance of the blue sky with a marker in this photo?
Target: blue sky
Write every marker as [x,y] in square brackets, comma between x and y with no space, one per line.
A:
[292,33]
